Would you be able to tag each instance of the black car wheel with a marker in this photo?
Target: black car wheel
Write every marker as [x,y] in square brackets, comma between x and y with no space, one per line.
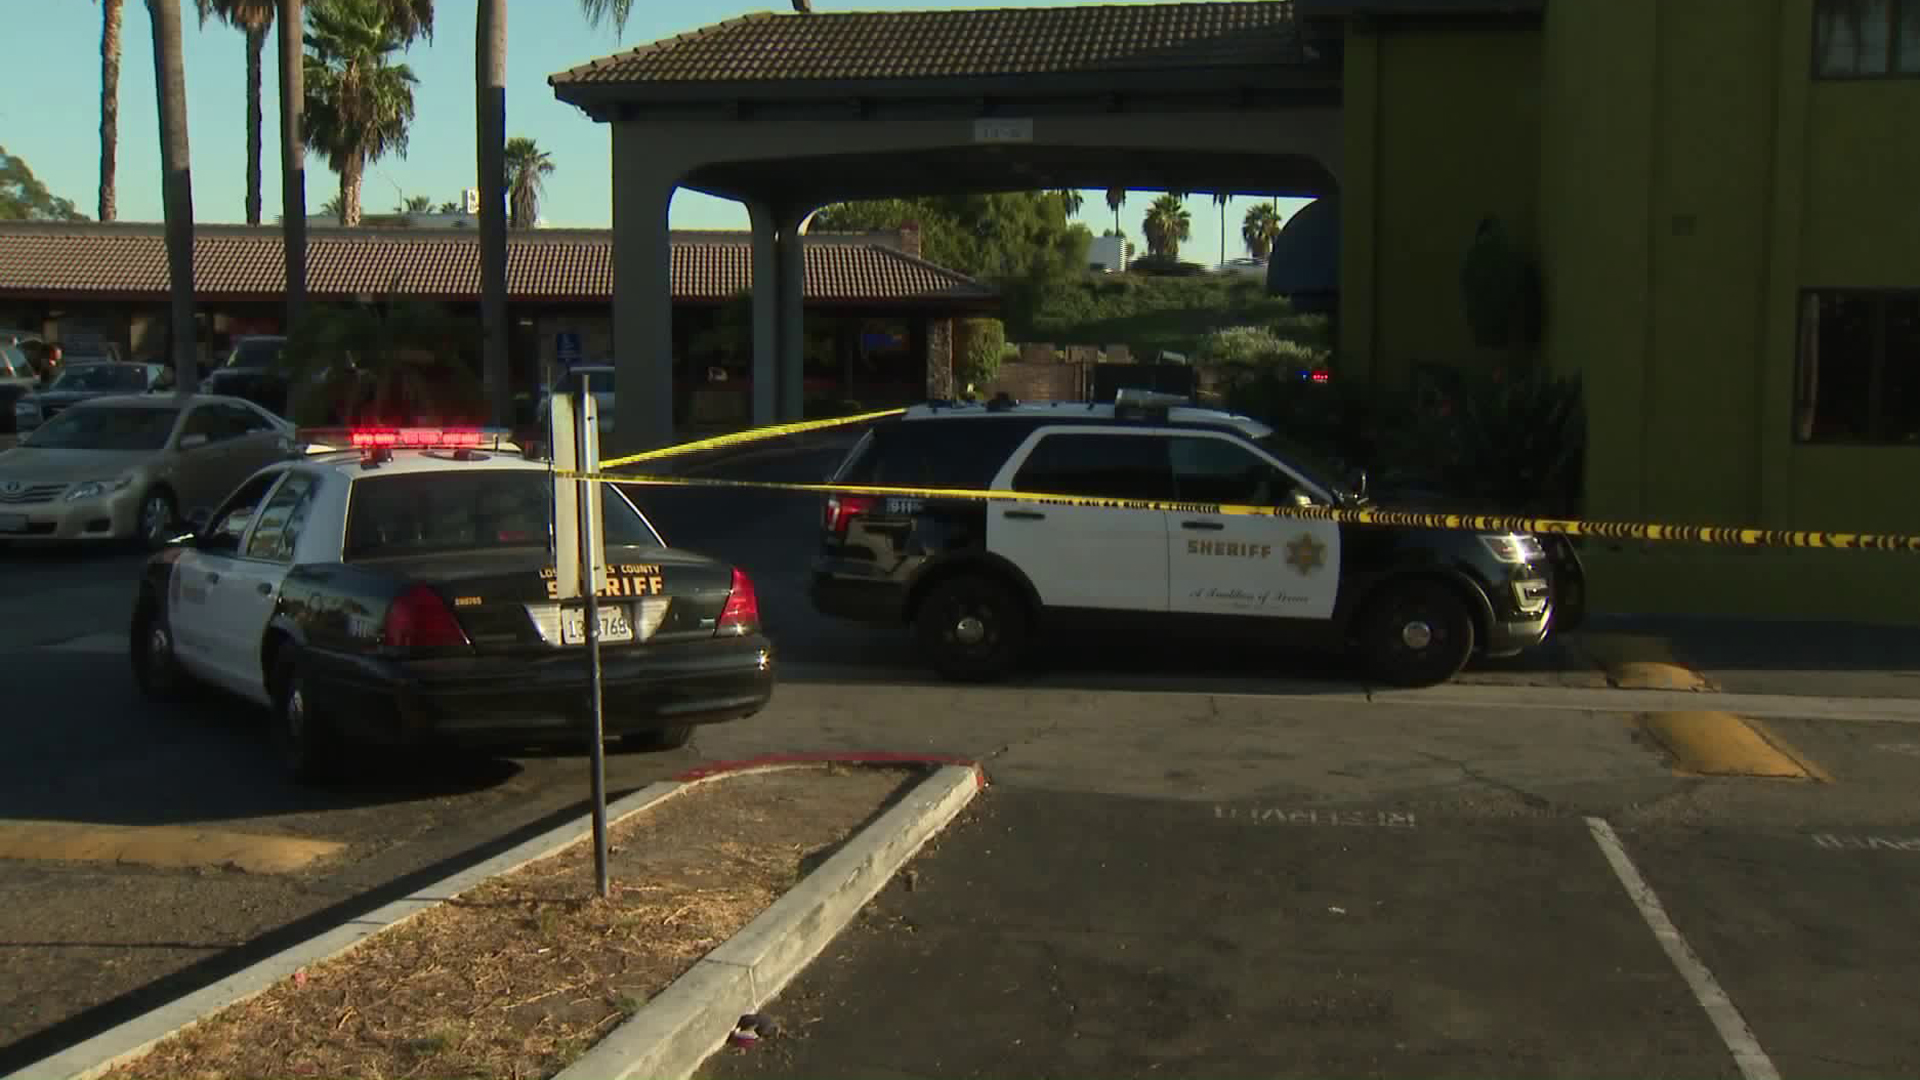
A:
[1417,633]
[156,670]
[971,629]
[158,514]
[306,741]
[667,738]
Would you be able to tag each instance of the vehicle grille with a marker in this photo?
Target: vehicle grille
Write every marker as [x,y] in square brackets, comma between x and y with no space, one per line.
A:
[33,493]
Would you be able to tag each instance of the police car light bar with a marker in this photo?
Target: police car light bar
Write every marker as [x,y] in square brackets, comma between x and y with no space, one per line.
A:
[1147,399]
[326,440]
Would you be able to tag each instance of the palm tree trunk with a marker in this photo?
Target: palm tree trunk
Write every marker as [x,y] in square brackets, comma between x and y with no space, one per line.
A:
[256,51]
[293,158]
[350,178]
[490,87]
[109,104]
[176,182]
[1223,234]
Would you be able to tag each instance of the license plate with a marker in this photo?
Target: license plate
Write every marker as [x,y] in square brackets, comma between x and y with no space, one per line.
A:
[13,523]
[614,625]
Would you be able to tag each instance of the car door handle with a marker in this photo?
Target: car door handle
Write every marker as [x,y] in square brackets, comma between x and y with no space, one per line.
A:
[1024,515]
[1210,526]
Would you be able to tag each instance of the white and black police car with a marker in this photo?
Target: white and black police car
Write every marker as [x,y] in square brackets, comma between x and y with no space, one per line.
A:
[976,579]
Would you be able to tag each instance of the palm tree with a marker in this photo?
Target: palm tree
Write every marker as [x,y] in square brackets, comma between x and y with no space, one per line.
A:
[1220,199]
[449,207]
[1116,198]
[1071,200]
[1260,228]
[359,102]
[252,18]
[335,206]
[1167,224]
[414,18]
[490,154]
[415,204]
[176,182]
[526,164]
[109,103]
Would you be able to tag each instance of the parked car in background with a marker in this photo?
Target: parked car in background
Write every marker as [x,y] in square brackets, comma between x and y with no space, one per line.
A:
[85,381]
[133,466]
[17,379]
[252,371]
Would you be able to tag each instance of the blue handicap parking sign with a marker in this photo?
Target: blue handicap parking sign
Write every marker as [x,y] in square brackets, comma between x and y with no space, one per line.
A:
[566,347]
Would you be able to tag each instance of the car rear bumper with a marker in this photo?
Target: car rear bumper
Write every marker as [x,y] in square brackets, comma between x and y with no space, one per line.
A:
[857,595]
[544,700]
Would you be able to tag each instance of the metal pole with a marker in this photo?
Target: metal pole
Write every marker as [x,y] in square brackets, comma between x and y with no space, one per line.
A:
[596,750]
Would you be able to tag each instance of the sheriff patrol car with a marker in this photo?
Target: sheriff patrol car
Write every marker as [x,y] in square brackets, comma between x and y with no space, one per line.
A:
[401,590]
[977,579]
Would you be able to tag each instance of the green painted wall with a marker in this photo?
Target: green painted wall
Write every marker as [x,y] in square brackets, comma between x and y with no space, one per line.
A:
[1442,130]
[1694,178]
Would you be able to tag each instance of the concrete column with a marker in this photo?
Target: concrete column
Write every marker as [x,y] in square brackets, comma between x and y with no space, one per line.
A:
[642,301]
[766,324]
[792,318]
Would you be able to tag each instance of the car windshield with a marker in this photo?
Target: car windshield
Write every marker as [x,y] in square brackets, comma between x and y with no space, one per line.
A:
[253,354]
[91,377]
[105,427]
[1307,462]
[13,362]
[415,513]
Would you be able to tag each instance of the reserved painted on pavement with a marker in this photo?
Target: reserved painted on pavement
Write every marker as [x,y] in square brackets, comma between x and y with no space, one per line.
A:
[1385,819]
[1834,842]
[168,846]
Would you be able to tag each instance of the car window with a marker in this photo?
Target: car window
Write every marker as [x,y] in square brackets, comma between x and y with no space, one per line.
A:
[219,421]
[13,363]
[253,354]
[1103,466]
[105,427]
[1218,471]
[468,511]
[245,421]
[282,520]
[230,522]
[102,377]
[957,454]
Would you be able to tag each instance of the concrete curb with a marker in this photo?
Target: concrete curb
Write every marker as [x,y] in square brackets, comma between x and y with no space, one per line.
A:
[94,1057]
[672,1035]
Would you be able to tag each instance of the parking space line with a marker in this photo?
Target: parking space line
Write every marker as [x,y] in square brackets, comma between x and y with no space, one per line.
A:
[1753,1061]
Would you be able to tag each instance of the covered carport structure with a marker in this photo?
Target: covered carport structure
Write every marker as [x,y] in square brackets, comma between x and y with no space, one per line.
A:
[787,113]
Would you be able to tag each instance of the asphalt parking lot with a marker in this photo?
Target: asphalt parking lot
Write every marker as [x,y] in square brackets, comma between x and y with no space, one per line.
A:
[1156,775]
[1054,934]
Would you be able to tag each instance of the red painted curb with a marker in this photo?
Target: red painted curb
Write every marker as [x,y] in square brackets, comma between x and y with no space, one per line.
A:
[871,757]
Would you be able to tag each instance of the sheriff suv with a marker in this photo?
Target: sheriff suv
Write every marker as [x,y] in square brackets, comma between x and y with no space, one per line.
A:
[977,579]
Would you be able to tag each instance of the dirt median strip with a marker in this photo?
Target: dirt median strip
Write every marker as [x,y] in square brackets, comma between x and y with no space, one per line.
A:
[520,975]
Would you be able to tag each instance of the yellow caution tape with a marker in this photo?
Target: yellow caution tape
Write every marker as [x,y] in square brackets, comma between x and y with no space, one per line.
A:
[738,438]
[1608,530]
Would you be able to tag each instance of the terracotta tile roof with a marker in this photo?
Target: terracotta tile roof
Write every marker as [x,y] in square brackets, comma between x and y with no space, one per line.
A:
[232,262]
[1090,39]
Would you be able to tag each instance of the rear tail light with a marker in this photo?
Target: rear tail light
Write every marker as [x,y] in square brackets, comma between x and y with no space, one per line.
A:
[419,619]
[842,509]
[742,613]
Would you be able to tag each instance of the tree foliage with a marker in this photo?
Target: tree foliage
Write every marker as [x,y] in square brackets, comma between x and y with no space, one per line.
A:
[1168,225]
[1020,242]
[359,102]
[527,168]
[983,347]
[1260,228]
[395,362]
[24,198]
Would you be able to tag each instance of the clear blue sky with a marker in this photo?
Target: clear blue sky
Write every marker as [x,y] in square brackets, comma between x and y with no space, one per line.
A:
[50,100]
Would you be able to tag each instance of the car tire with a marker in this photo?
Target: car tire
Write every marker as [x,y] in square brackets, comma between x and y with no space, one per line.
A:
[159,515]
[307,744]
[1415,633]
[971,629]
[666,738]
[156,669]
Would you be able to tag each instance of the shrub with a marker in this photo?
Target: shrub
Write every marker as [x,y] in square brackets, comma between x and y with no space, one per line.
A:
[982,348]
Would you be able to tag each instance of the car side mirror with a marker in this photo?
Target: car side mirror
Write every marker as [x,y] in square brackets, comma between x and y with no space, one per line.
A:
[188,442]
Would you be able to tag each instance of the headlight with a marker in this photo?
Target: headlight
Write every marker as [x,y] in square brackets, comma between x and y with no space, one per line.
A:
[93,489]
[1514,547]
